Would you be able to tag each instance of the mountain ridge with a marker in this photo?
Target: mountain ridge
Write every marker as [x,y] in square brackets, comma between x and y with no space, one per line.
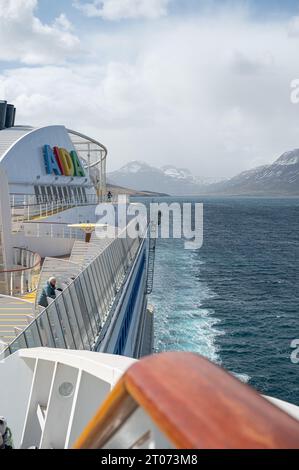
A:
[279,178]
[168,179]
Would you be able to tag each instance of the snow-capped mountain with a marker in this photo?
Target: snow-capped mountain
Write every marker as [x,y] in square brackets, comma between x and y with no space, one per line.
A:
[289,158]
[280,178]
[179,173]
[133,167]
[168,179]
[186,175]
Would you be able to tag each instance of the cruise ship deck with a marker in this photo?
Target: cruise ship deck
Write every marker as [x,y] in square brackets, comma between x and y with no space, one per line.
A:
[51,181]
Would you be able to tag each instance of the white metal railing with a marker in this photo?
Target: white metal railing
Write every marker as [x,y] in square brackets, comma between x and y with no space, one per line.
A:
[23,278]
[52,230]
[75,318]
[30,210]
[95,155]
[27,219]
[31,207]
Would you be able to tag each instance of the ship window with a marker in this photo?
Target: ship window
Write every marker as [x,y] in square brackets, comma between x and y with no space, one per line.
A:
[60,193]
[76,194]
[52,193]
[84,194]
[80,194]
[38,195]
[69,193]
[49,193]
[73,194]
[65,193]
[43,194]
[56,193]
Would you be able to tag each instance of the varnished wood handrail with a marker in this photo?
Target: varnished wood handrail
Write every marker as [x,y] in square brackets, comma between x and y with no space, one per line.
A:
[196,404]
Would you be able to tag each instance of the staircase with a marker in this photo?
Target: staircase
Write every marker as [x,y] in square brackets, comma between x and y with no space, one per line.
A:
[151,259]
[83,253]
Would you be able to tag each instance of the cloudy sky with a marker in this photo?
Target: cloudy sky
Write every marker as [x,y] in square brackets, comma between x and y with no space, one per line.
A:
[201,84]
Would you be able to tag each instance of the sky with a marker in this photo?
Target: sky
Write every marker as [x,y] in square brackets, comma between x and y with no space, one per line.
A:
[200,84]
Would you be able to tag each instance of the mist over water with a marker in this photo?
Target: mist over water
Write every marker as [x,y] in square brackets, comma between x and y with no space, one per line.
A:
[236,300]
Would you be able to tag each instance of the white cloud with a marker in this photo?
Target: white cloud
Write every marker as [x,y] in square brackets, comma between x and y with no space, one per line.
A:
[294,26]
[62,22]
[123,9]
[23,37]
[211,94]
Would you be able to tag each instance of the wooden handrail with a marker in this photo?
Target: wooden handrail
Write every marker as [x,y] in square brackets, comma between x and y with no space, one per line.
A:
[196,404]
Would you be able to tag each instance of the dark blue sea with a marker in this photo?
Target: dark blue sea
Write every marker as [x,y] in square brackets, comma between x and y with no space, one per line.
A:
[236,300]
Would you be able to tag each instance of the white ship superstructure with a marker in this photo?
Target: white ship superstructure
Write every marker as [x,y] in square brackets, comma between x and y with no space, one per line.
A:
[52,179]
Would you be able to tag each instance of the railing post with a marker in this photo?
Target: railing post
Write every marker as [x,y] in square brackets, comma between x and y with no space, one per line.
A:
[22,282]
[11,283]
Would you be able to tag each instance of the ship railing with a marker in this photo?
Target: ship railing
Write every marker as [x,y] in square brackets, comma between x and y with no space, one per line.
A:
[52,230]
[23,200]
[31,209]
[76,317]
[181,400]
[94,154]
[23,278]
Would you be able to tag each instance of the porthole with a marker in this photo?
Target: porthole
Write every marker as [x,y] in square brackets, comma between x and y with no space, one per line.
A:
[66,389]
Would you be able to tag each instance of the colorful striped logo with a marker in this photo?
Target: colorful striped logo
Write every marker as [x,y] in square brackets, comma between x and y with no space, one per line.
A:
[60,162]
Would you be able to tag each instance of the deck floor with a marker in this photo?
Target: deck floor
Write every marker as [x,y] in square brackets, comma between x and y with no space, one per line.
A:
[30,297]
[13,316]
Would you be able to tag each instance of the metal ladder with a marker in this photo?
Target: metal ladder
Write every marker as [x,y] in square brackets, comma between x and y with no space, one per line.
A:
[151,258]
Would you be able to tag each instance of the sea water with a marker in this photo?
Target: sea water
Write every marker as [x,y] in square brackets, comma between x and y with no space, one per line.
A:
[236,299]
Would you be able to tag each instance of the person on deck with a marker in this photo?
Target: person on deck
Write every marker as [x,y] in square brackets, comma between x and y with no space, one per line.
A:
[48,291]
[5,435]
